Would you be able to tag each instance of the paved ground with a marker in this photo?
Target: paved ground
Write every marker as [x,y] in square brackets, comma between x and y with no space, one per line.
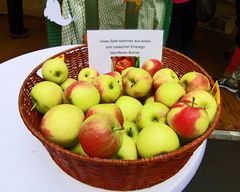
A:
[220,168]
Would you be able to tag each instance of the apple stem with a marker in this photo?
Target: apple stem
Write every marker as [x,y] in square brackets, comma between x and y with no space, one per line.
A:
[193,99]
[132,83]
[118,129]
[35,104]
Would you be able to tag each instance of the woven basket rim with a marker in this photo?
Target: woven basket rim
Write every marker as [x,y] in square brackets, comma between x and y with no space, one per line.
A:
[162,157]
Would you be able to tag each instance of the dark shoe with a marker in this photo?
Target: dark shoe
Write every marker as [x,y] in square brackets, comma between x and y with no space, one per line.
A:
[21,35]
[25,30]
[227,54]
[238,95]
[227,84]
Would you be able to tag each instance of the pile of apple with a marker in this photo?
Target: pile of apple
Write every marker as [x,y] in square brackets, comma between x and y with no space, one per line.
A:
[132,114]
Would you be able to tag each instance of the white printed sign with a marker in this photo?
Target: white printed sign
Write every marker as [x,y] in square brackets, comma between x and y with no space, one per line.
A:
[104,46]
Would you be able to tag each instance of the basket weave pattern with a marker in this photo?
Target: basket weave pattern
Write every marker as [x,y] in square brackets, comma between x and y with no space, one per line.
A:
[107,173]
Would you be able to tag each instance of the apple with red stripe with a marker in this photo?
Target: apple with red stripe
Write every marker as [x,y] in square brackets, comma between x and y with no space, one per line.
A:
[100,135]
[118,77]
[108,88]
[81,94]
[61,124]
[67,83]
[203,99]
[152,66]
[194,80]
[188,120]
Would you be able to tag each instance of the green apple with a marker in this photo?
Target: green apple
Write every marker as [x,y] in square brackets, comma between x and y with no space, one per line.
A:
[204,100]
[67,82]
[108,88]
[195,80]
[131,129]
[77,148]
[169,93]
[151,113]
[82,94]
[137,82]
[129,107]
[45,95]
[61,124]
[156,139]
[128,150]
[110,108]
[150,99]
[164,75]
[187,120]
[55,70]
[87,74]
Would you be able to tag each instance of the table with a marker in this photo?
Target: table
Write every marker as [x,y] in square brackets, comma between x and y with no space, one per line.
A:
[25,164]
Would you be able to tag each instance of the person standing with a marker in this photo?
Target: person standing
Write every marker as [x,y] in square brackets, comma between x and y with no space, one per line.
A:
[15,18]
[231,79]
[182,27]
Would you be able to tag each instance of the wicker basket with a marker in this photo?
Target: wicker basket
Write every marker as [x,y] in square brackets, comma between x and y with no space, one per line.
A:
[106,173]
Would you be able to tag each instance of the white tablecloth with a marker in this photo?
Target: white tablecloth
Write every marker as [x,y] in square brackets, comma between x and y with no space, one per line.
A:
[25,165]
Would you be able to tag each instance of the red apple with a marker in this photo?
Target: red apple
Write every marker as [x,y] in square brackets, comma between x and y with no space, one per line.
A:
[187,120]
[101,135]
[109,108]
[152,66]
[203,99]
[123,63]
